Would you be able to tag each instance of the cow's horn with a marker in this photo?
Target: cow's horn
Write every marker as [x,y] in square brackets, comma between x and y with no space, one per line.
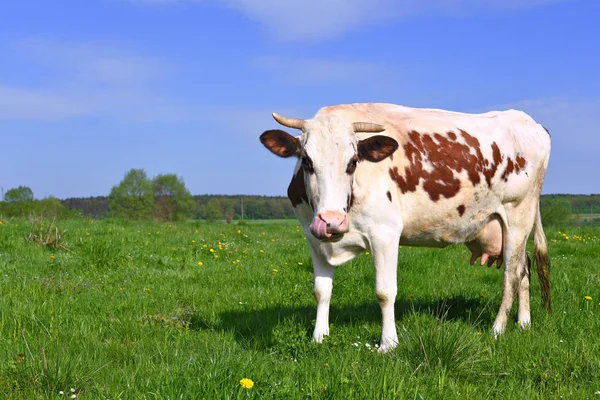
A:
[367,127]
[295,123]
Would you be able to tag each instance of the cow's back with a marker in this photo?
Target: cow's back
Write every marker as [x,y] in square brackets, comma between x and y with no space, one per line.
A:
[452,170]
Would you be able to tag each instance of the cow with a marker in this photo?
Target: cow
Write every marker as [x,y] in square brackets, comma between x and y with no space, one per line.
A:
[373,176]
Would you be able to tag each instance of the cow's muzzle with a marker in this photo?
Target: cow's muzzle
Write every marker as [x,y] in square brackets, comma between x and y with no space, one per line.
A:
[329,226]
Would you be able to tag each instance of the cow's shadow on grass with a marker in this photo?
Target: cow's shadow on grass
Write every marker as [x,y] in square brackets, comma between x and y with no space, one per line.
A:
[266,327]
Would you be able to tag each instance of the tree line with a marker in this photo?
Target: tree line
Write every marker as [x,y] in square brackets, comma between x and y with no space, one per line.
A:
[165,197]
[139,197]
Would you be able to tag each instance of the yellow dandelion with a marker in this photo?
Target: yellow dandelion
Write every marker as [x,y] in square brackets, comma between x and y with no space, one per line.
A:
[193,241]
[247,383]
[1,222]
[588,298]
[212,250]
[262,251]
[239,232]
[300,263]
[367,253]
[275,271]
[52,258]
[200,263]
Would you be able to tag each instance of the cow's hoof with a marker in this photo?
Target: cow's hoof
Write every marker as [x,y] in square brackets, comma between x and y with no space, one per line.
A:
[524,323]
[319,335]
[497,330]
[387,345]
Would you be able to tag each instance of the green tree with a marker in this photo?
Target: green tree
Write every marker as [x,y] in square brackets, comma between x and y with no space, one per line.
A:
[212,210]
[21,193]
[172,200]
[556,213]
[133,198]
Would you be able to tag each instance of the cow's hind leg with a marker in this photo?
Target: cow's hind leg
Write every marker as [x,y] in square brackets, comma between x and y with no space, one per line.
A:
[515,266]
[516,270]
[323,286]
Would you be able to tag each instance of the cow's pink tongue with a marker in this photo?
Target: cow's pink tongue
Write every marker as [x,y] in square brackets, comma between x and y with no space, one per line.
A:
[319,229]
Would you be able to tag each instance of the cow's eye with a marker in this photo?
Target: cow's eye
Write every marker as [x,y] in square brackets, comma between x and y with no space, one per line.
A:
[307,164]
[352,166]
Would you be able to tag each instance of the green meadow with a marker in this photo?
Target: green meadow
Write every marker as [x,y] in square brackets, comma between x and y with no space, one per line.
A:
[125,310]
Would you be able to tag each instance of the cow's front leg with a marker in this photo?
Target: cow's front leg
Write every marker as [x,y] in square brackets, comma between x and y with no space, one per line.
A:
[385,257]
[322,291]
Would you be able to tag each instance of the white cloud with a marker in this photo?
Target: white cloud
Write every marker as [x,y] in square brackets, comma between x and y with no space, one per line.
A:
[88,79]
[314,20]
[314,71]
[25,103]
[96,62]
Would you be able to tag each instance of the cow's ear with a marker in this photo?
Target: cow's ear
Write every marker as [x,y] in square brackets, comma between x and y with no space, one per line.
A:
[376,148]
[281,143]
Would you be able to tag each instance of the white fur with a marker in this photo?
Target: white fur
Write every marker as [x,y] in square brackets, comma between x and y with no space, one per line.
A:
[379,225]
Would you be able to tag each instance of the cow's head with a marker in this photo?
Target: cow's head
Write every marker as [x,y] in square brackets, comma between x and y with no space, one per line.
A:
[328,151]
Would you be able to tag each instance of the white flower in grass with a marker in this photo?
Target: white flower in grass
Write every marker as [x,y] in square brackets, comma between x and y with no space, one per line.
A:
[61,393]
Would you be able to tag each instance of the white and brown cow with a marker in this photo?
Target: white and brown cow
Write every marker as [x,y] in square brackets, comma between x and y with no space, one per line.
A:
[373,176]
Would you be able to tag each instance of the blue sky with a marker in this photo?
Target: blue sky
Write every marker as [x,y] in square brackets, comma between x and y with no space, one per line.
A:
[90,89]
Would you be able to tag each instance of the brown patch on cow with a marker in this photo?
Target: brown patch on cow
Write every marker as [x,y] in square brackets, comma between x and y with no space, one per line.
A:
[447,156]
[513,167]
[297,190]
[350,201]
[521,162]
[382,298]
[389,195]
[461,209]
[510,167]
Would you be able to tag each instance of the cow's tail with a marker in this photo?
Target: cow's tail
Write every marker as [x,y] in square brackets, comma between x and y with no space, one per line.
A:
[542,260]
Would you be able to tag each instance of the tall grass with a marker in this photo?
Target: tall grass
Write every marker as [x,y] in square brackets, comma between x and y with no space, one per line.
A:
[148,310]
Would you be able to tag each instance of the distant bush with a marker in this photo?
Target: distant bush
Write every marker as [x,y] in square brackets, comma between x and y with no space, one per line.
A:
[49,207]
[556,212]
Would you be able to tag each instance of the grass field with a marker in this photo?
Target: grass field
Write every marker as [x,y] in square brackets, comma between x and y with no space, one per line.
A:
[187,310]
